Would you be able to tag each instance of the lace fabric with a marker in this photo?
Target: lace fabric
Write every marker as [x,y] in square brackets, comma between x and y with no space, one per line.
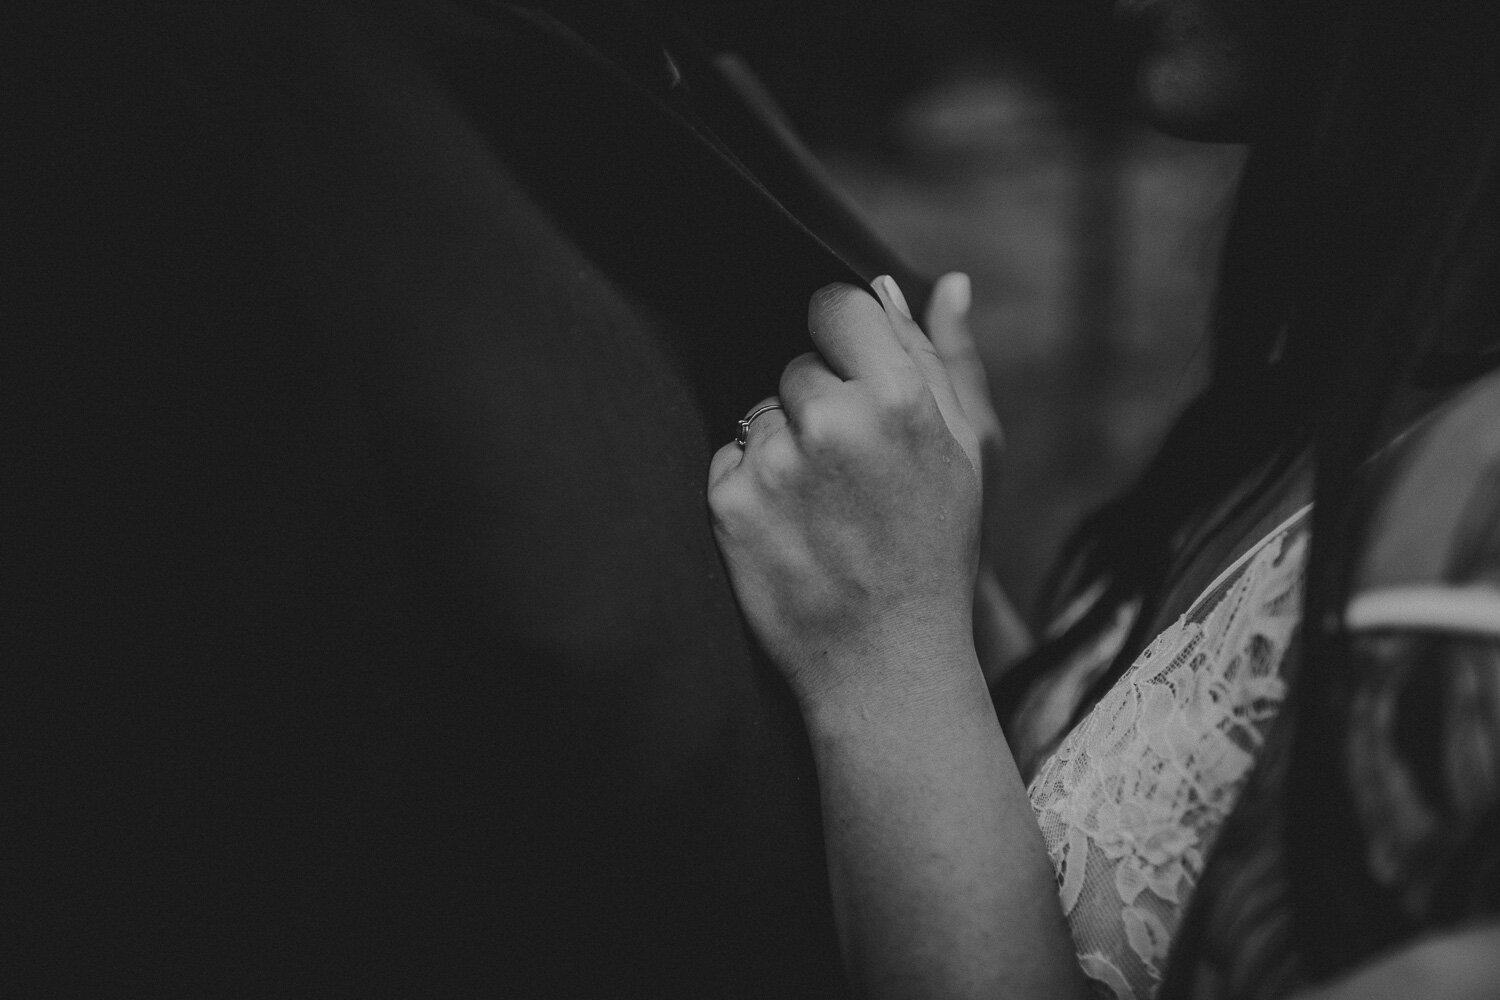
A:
[1131,801]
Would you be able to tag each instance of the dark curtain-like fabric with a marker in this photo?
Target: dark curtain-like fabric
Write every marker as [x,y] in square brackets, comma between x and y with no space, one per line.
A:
[364,633]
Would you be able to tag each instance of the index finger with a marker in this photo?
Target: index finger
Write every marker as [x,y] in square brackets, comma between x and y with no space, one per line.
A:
[850,329]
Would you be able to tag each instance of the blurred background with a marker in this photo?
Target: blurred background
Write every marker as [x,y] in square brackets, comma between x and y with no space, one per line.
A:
[997,137]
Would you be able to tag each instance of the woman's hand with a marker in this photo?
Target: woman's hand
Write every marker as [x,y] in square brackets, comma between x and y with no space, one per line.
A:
[850,518]
[850,523]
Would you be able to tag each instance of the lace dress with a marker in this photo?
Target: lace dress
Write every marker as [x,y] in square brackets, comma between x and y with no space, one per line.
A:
[1185,814]
[1132,799]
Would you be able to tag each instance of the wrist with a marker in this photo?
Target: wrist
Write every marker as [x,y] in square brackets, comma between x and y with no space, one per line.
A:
[893,689]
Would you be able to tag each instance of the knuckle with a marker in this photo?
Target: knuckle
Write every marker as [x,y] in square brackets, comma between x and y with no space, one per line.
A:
[902,395]
[805,361]
[736,509]
[730,529]
[725,496]
[721,465]
[778,464]
[793,372]
[820,423]
[831,427]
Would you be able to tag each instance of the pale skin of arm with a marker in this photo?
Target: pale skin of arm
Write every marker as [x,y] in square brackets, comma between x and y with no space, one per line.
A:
[850,524]
[850,527]
[940,883]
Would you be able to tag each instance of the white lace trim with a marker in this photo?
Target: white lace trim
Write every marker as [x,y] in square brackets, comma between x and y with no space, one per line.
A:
[1132,800]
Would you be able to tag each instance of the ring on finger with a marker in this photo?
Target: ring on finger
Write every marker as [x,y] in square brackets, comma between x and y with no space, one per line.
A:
[742,438]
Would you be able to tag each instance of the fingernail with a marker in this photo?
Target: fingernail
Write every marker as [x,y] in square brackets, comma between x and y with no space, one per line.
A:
[893,292]
[959,291]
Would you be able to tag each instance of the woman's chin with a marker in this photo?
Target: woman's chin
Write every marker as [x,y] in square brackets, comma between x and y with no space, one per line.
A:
[1208,99]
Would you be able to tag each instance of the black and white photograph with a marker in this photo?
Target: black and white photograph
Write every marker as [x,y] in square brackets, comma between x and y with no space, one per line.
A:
[751,500]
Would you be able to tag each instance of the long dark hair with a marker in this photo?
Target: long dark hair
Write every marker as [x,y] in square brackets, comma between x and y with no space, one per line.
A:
[1412,125]
[1363,258]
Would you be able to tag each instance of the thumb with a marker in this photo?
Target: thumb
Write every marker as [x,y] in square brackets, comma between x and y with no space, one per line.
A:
[930,365]
[948,327]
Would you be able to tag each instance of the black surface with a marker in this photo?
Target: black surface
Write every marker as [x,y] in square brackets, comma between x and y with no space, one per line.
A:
[364,633]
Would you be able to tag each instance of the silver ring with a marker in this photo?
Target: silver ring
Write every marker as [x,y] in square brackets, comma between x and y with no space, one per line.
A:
[743,437]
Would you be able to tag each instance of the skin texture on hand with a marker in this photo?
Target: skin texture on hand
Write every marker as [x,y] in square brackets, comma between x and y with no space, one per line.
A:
[850,525]
[850,519]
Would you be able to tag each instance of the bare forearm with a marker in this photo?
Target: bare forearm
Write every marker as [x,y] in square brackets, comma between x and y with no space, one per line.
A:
[849,521]
[940,882]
